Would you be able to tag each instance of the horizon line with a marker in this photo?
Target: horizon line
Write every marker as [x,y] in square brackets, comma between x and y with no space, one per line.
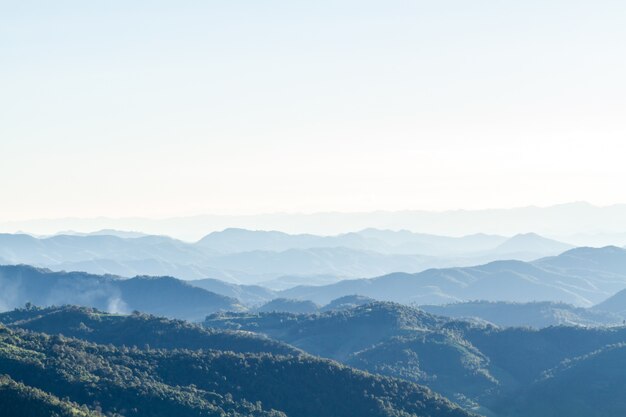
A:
[314,213]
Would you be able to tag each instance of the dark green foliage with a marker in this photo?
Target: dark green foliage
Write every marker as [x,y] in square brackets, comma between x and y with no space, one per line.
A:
[122,381]
[590,385]
[481,366]
[181,383]
[138,330]
[334,334]
[522,354]
[19,400]
[309,380]
[442,360]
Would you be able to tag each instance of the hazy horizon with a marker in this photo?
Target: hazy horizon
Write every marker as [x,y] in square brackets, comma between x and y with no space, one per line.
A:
[576,222]
[155,110]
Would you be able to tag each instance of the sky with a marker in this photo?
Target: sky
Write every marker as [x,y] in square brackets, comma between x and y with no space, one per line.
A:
[157,109]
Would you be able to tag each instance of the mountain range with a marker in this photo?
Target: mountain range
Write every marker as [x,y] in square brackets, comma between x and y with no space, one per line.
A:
[274,259]
[560,290]
[129,363]
[580,221]
[581,276]
[503,372]
[193,374]
[80,361]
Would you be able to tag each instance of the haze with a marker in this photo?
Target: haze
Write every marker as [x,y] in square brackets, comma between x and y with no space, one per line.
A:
[154,109]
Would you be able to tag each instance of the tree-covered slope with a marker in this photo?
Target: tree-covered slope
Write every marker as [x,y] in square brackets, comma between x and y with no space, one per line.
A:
[19,400]
[479,365]
[522,354]
[138,330]
[332,334]
[592,385]
[135,382]
[442,360]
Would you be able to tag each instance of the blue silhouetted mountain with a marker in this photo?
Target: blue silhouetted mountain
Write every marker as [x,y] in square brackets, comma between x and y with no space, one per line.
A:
[530,245]
[615,304]
[164,296]
[581,277]
[340,261]
[377,240]
[253,257]
[242,240]
[247,294]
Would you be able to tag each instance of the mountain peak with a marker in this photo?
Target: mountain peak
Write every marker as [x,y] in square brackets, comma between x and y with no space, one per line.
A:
[532,243]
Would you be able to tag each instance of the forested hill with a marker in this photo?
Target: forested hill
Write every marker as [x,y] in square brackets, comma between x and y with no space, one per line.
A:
[17,399]
[165,383]
[139,330]
[477,364]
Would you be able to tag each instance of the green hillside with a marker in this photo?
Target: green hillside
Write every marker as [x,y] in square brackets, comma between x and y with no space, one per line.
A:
[149,382]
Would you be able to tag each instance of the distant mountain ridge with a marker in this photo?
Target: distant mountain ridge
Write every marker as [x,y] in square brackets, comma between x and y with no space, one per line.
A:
[556,220]
[531,244]
[615,304]
[582,277]
[125,234]
[278,259]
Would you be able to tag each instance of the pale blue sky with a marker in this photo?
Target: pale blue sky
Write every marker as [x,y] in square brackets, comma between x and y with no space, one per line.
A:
[154,108]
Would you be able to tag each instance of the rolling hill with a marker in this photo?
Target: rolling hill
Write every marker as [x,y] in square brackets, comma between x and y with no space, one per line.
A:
[149,382]
[481,366]
[19,400]
[586,386]
[138,330]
